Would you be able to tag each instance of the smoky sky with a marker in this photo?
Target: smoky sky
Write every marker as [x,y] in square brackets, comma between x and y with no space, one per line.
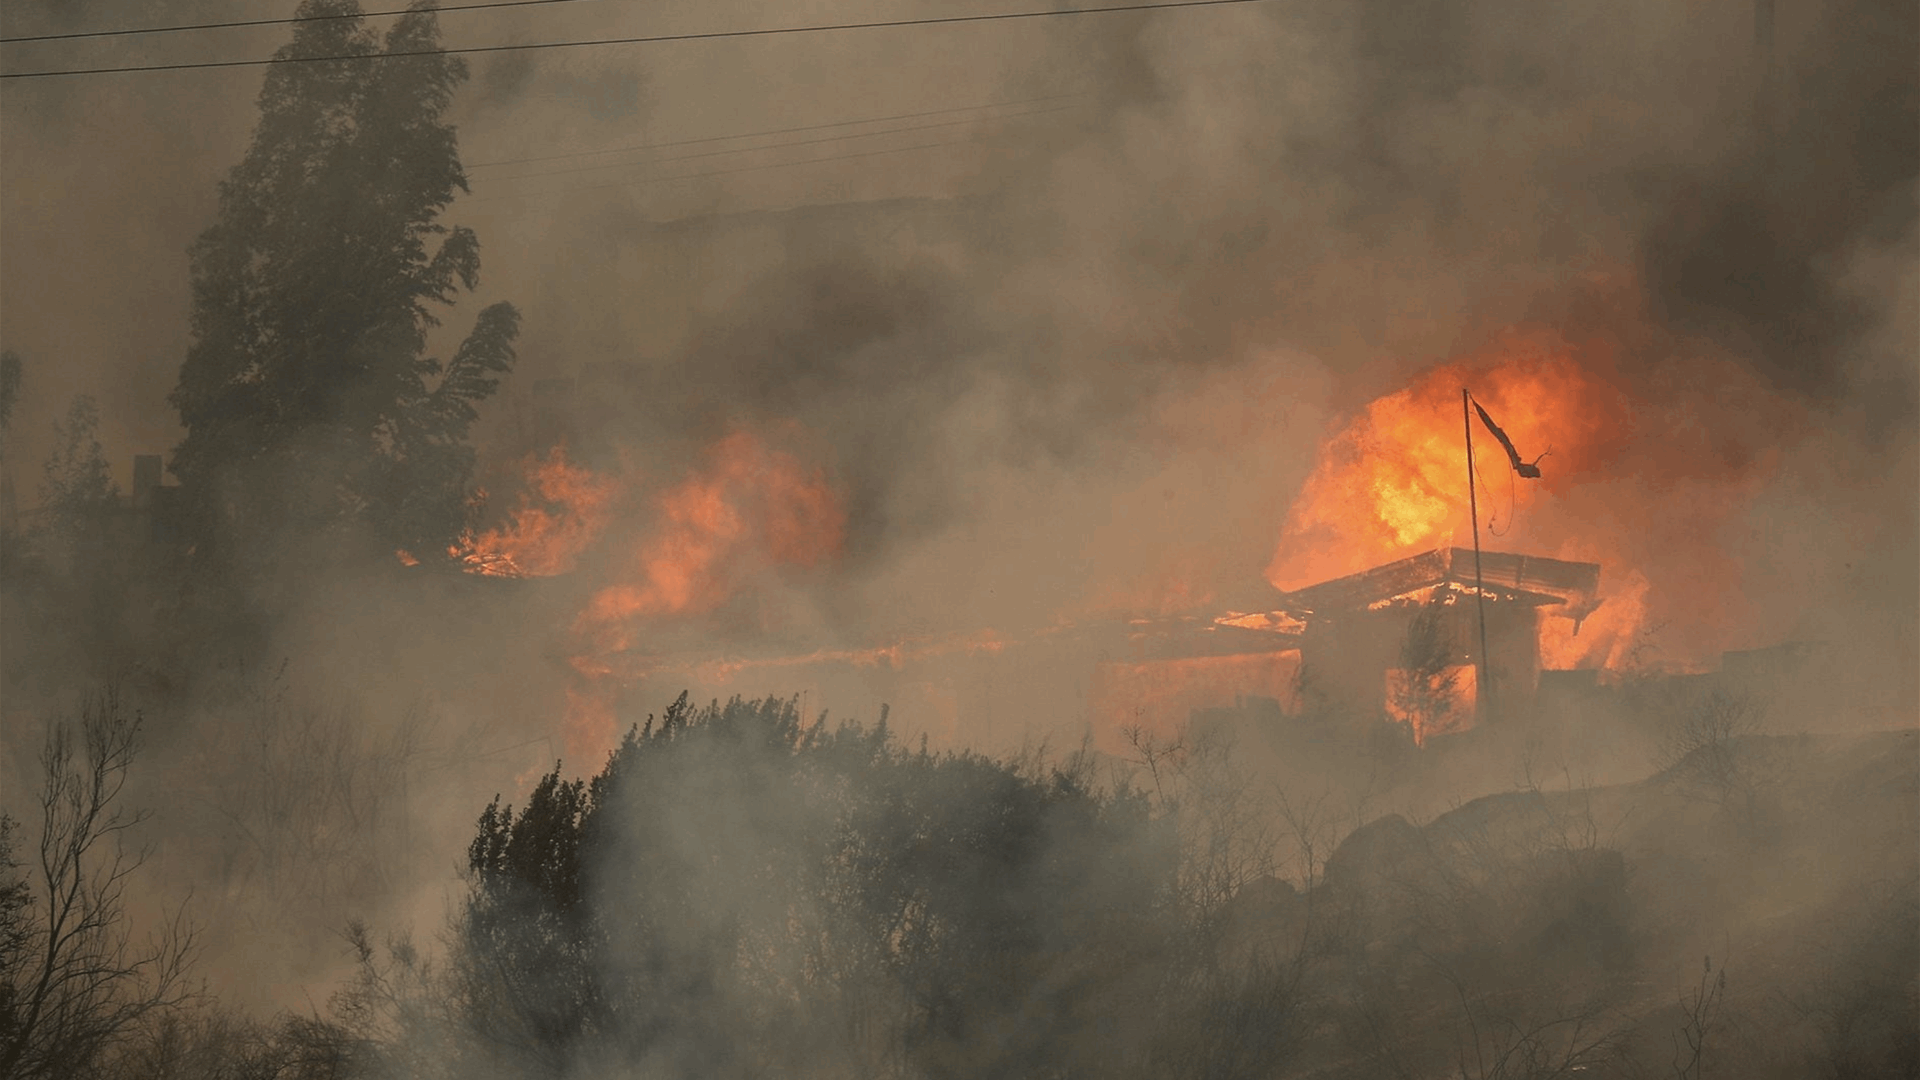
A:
[1743,247]
[1064,308]
[1364,189]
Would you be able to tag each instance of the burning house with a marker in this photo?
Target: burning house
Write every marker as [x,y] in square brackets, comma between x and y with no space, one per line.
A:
[1400,640]
[1406,638]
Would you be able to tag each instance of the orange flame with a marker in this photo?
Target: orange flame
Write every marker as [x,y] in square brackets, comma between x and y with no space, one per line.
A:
[750,507]
[1651,484]
[748,510]
[1393,482]
[559,517]
[1608,639]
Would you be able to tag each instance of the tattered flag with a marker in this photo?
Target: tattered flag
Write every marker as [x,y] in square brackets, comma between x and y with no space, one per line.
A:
[1528,469]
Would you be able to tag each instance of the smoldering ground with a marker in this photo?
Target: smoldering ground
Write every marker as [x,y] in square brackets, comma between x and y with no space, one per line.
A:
[1069,361]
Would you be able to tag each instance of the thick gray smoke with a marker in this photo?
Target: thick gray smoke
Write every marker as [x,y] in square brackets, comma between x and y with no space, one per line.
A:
[1063,310]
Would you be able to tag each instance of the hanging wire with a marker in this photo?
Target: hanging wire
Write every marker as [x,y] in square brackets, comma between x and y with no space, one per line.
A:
[1513,500]
[1511,496]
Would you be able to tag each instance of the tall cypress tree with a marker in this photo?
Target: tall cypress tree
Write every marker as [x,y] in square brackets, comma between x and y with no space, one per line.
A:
[311,406]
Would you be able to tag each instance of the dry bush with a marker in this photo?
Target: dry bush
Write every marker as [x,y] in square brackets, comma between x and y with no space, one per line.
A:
[1862,1012]
[1427,693]
[213,1044]
[74,985]
[310,803]
[1711,751]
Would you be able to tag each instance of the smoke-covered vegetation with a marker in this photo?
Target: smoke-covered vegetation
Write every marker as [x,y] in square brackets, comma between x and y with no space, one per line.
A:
[742,891]
[325,741]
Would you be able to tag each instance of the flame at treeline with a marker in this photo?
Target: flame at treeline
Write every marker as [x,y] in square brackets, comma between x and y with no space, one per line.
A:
[745,505]
[742,511]
[561,513]
[748,509]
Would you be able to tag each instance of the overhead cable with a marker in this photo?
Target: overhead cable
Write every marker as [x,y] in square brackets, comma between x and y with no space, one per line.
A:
[79,35]
[710,35]
[781,145]
[721,172]
[772,131]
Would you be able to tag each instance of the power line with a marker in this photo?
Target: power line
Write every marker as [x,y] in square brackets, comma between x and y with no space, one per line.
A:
[774,131]
[726,172]
[782,145]
[292,20]
[710,35]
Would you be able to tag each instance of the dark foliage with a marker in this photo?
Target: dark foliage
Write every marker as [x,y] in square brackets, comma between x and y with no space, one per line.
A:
[740,891]
[311,407]
[10,372]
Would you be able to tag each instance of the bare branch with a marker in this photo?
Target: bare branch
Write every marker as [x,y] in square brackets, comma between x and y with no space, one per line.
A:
[77,984]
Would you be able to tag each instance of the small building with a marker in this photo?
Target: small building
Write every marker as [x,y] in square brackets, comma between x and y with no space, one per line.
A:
[1404,638]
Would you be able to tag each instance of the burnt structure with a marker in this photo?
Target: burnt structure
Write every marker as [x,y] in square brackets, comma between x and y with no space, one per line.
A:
[1382,639]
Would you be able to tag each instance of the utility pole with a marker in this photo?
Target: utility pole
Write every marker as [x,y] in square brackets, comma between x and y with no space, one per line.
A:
[1766,112]
[1483,688]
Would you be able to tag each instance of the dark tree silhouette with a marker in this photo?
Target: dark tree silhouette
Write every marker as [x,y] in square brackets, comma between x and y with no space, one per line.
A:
[311,406]
[73,984]
[1425,692]
[10,370]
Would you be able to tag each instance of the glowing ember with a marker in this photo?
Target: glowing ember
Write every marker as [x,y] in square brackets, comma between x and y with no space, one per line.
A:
[1158,697]
[561,514]
[1273,622]
[895,656]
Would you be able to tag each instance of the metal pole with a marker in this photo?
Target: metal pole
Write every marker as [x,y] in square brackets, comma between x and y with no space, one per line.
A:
[1484,687]
[1763,23]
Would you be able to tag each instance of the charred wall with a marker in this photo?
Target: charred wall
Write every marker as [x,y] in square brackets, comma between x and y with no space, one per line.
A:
[1346,657]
